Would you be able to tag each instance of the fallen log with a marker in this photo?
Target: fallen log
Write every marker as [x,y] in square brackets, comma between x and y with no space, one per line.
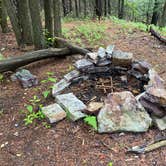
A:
[29,57]
[157,35]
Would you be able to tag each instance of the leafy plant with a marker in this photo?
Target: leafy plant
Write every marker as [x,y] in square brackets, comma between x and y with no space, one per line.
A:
[35,100]
[46,125]
[46,93]
[32,115]
[110,164]
[91,120]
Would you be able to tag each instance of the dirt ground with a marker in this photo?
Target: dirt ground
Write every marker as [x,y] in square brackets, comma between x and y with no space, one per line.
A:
[67,143]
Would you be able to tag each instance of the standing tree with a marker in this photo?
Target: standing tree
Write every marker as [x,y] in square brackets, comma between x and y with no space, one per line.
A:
[12,13]
[57,18]
[121,9]
[163,17]
[3,17]
[38,36]
[155,16]
[24,19]
[98,8]
[48,17]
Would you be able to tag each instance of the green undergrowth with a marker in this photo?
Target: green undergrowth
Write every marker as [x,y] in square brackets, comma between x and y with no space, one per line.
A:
[92,33]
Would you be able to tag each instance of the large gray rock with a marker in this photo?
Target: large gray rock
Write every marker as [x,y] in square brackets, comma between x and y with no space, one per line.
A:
[141,66]
[59,87]
[71,75]
[109,51]
[72,105]
[101,53]
[92,70]
[154,80]
[120,58]
[122,112]
[83,64]
[54,113]
[25,78]
[93,56]
[160,122]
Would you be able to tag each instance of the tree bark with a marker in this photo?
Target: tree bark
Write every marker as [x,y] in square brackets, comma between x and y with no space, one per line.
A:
[155,16]
[121,9]
[76,8]
[98,8]
[48,17]
[16,62]
[109,7]
[38,37]
[85,8]
[57,18]
[25,22]
[163,17]
[64,5]
[3,17]
[12,13]
[157,35]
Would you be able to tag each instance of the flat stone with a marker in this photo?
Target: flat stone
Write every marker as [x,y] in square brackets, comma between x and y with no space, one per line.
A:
[138,75]
[109,50]
[71,75]
[83,64]
[93,56]
[160,122]
[101,53]
[103,62]
[59,87]
[141,66]
[80,79]
[26,79]
[54,113]
[92,70]
[157,96]
[122,112]
[93,107]
[72,105]
[154,80]
[151,107]
[120,58]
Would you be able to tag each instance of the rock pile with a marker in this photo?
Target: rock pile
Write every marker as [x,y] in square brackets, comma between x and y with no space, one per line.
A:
[121,111]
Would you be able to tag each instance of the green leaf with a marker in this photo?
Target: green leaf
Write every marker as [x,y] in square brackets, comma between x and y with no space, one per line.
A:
[1,77]
[46,93]
[91,120]
[50,73]
[51,79]
[29,108]
[110,164]
[44,81]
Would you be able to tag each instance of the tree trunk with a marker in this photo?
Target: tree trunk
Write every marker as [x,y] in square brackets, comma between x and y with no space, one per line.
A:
[109,7]
[76,8]
[3,17]
[16,62]
[85,8]
[121,9]
[70,6]
[57,19]
[12,13]
[98,8]
[38,37]
[163,17]
[48,18]
[105,8]
[64,5]
[25,22]
[155,16]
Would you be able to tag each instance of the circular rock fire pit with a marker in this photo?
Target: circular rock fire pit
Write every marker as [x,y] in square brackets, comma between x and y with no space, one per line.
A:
[124,94]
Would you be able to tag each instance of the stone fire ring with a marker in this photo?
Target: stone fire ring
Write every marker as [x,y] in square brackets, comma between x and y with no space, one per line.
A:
[121,111]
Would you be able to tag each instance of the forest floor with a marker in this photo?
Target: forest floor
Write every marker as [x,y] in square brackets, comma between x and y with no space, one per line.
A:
[67,143]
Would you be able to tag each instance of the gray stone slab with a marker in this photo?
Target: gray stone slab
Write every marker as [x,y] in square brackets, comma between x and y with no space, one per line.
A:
[73,105]
[82,64]
[103,62]
[101,53]
[121,58]
[160,122]
[109,50]
[94,70]
[93,56]
[71,75]
[54,113]
[59,87]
